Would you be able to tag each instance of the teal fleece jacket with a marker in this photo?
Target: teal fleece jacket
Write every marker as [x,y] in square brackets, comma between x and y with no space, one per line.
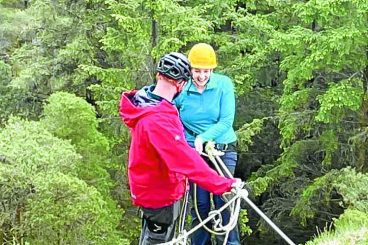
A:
[209,114]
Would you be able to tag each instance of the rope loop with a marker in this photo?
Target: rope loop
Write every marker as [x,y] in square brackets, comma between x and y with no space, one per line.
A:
[233,200]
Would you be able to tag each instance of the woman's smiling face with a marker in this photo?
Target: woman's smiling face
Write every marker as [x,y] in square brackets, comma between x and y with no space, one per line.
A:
[201,76]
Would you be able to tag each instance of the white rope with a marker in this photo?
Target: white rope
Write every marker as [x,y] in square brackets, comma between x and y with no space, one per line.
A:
[233,203]
[214,156]
[182,238]
[183,211]
[215,215]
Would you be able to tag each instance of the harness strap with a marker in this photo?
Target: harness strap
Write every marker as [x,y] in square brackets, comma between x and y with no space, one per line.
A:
[226,147]
[191,132]
[221,147]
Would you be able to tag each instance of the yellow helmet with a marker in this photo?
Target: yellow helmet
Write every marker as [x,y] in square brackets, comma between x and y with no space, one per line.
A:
[202,56]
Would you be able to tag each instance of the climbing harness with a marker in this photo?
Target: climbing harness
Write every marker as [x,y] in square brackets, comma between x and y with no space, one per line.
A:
[183,211]
[233,204]
[214,156]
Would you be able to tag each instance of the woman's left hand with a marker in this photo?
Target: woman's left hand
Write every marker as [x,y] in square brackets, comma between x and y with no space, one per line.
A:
[198,144]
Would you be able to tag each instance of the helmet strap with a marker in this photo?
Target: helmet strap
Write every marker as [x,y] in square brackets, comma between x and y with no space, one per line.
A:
[179,87]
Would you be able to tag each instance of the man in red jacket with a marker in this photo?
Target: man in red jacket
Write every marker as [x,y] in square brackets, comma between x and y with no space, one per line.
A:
[160,159]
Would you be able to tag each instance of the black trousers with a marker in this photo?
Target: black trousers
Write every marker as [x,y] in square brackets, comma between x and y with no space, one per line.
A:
[158,225]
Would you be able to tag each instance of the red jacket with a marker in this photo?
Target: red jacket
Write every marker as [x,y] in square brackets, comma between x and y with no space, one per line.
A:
[160,159]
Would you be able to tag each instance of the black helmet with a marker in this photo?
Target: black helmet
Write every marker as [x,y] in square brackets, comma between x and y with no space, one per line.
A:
[175,65]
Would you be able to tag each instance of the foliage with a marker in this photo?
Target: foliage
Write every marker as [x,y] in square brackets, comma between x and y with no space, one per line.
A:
[16,27]
[243,220]
[70,117]
[351,185]
[351,228]
[141,32]
[338,99]
[300,72]
[5,101]
[42,200]
[15,189]
[347,182]
[323,104]
[49,42]
[36,143]
[307,207]
[244,54]
[66,209]
[267,175]
[246,132]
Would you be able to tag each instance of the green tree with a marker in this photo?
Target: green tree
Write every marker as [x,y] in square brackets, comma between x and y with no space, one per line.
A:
[322,115]
[72,118]
[39,190]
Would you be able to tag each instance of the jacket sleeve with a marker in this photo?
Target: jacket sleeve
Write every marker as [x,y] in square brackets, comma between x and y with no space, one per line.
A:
[227,113]
[180,158]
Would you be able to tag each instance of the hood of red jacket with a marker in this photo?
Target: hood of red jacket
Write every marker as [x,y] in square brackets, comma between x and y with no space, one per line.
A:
[131,113]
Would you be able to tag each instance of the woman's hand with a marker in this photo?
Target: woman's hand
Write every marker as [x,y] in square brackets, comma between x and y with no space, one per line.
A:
[198,144]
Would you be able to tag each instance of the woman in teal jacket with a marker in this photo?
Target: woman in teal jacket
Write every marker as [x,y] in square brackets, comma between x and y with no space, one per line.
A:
[207,108]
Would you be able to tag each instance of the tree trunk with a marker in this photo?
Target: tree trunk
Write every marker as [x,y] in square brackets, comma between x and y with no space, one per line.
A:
[154,40]
[363,121]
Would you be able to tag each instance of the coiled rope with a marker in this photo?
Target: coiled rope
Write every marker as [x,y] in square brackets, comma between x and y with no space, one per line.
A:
[233,204]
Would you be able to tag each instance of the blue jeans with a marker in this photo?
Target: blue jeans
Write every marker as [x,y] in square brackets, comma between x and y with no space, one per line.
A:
[201,236]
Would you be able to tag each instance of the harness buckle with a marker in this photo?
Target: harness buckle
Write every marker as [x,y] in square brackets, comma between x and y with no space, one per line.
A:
[222,147]
[226,147]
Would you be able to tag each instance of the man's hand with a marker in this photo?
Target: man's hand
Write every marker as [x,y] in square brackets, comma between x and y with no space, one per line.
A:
[238,184]
[235,187]
[198,144]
